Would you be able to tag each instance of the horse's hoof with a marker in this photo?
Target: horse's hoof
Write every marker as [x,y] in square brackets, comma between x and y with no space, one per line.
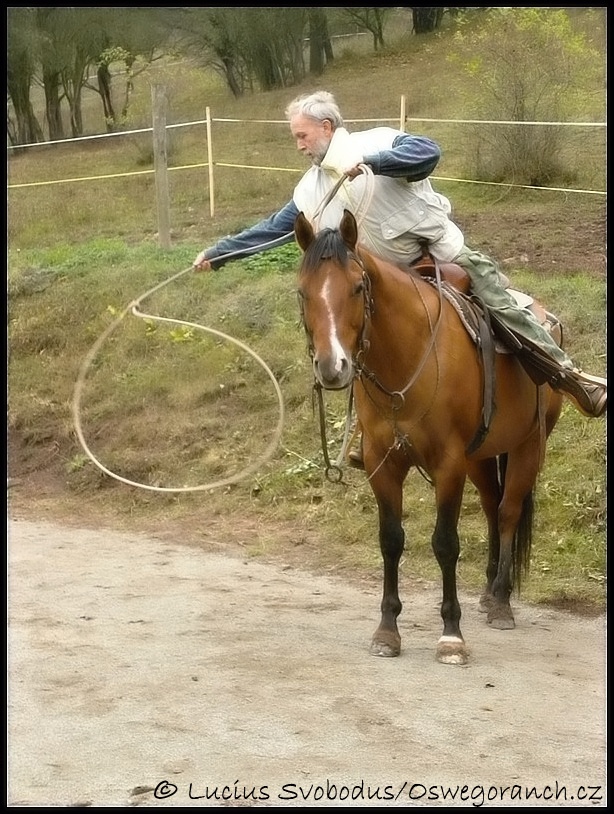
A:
[452,650]
[386,646]
[485,603]
[501,621]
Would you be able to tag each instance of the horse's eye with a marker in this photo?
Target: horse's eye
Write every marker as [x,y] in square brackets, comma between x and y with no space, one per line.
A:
[359,288]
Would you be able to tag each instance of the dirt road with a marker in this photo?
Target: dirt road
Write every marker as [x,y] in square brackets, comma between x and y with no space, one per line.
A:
[143,672]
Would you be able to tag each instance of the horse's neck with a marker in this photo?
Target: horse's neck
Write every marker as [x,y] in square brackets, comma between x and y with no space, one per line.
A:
[396,290]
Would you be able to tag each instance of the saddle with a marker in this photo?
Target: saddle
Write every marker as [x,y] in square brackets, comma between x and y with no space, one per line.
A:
[489,333]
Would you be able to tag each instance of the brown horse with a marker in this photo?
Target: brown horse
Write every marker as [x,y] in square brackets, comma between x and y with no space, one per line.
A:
[418,387]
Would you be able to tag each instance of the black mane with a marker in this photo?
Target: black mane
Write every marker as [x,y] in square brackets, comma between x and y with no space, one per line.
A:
[327,244]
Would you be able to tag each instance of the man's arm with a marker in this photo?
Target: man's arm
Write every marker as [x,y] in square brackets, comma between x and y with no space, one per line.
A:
[275,230]
[411,157]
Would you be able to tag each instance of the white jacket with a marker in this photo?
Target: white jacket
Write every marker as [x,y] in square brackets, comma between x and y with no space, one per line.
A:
[392,213]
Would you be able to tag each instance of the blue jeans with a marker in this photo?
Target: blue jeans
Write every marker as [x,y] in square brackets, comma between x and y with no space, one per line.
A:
[485,283]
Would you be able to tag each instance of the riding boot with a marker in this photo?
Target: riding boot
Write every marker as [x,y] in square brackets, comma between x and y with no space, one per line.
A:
[355,457]
[588,393]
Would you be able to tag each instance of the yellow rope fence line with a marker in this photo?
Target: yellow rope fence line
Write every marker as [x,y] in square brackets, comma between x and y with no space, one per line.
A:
[286,169]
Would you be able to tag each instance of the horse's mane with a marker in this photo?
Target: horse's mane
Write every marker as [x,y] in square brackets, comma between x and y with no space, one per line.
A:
[327,244]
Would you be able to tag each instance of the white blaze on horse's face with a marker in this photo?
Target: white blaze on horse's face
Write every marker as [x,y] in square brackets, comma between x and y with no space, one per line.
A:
[332,360]
[339,356]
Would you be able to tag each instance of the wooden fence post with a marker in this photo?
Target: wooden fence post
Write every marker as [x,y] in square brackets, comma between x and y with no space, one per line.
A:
[403,116]
[159,105]
[210,162]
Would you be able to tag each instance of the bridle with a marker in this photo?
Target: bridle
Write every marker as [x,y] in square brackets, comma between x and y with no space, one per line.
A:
[333,470]
[398,396]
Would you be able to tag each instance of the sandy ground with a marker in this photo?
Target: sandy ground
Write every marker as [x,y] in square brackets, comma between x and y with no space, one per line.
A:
[148,673]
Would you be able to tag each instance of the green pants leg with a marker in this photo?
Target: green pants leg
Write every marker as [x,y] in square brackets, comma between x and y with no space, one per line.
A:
[485,283]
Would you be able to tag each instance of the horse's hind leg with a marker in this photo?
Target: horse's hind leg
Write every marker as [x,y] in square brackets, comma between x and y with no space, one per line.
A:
[451,648]
[515,533]
[485,476]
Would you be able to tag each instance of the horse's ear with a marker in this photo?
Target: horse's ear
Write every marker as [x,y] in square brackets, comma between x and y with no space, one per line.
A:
[303,231]
[349,229]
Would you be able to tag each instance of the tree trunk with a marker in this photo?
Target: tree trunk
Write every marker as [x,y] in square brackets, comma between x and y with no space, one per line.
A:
[104,88]
[27,130]
[231,78]
[426,19]
[320,48]
[53,112]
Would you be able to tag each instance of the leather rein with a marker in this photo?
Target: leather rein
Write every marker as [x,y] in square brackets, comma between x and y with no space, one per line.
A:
[334,471]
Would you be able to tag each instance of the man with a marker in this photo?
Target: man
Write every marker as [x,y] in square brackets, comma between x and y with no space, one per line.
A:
[387,184]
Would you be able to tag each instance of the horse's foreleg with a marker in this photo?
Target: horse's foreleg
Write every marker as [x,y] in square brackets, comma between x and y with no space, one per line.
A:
[388,490]
[451,648]
[386,639]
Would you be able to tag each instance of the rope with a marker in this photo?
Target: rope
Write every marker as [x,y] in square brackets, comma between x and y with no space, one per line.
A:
[133,308]
[78,391]
[363,204]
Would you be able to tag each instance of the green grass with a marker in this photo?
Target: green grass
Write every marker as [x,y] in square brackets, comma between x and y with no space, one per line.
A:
[172,406]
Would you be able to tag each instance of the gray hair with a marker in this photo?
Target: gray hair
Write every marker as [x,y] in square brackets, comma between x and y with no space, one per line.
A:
[320,106]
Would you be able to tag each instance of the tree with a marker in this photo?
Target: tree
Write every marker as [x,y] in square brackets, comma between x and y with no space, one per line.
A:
[320,46]
[69,41]
[262,45]
[22,45]
[214,36]
[525,64]
[426,20]
[131,34]
[372,19]
[274,39]
[59,47]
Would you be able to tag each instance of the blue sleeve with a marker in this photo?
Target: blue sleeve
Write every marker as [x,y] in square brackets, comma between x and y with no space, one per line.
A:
[411,157]
[275,230]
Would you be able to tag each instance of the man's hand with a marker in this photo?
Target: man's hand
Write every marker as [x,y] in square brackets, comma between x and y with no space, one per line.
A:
[201,263]
[353,172]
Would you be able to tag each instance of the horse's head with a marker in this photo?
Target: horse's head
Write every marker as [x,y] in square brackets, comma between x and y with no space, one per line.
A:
[334,298]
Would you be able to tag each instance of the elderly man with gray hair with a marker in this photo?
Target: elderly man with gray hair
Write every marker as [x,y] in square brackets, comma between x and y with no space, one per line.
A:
[382,176]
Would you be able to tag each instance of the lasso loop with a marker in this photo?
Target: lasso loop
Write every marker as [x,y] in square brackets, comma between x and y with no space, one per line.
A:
[333,472]
[78,391]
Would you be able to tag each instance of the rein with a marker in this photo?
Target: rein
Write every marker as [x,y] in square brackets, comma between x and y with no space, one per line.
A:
[399,395]
[333,470]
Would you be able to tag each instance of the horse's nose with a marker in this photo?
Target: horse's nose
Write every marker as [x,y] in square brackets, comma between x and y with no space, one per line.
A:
[333,373]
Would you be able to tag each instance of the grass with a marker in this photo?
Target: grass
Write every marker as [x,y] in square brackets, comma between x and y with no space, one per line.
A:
[174,406]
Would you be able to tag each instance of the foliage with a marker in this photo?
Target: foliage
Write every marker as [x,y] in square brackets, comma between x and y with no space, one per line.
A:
[63,45]
[523,65]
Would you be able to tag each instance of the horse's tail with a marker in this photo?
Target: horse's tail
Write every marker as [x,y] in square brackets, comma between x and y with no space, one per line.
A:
[523,537]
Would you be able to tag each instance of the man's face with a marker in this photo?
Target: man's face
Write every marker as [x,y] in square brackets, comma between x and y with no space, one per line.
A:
[312,137]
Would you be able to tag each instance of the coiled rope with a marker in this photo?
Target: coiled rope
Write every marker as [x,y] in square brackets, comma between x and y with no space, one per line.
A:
[134,309]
